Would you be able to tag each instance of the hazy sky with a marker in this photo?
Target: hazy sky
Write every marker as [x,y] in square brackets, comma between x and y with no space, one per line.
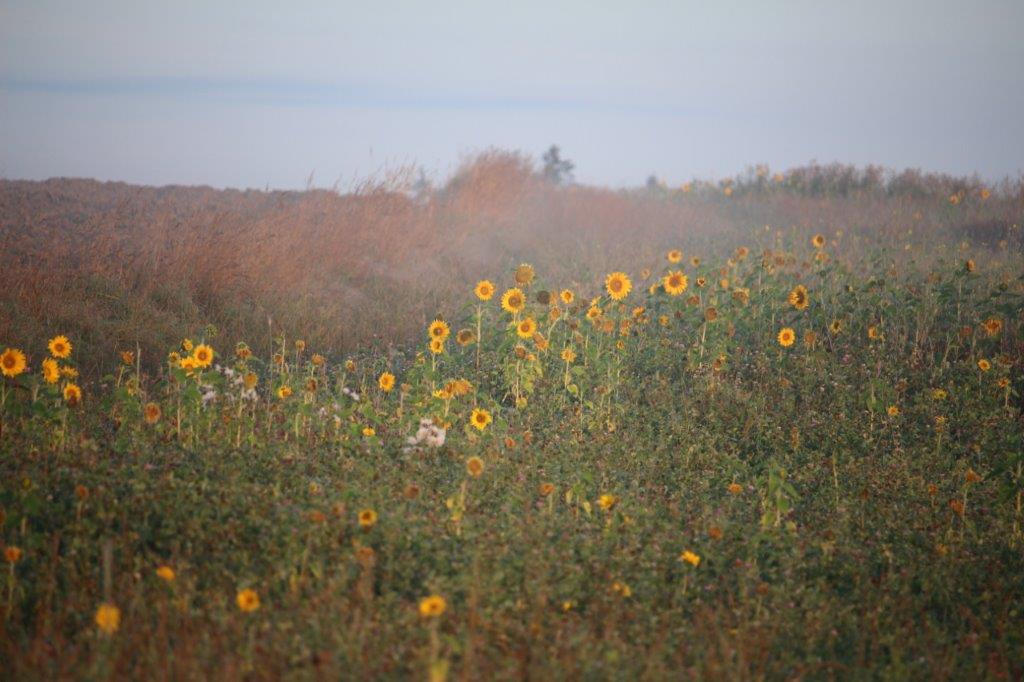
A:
[251,93]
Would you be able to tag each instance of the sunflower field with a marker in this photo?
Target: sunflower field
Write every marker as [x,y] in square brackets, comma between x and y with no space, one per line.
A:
[799,459]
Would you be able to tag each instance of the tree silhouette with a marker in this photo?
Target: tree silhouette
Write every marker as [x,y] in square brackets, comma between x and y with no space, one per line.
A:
[557,169]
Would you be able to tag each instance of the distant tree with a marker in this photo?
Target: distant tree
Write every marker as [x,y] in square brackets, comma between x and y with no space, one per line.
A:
[557,169]
[653,185]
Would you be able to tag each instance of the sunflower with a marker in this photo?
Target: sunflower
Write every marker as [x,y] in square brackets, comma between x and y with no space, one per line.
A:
[567,296]
[735,488]
[524,274]
[250,380]
[60,347]
[798,297]
[818,241]
[432,606]
[464,337]
[436,346]
[108,618]
[512,301]
[72,394]
[607,501]
[969,265]
[203,355]
[742,252]
[12,362]
[835,327]
[151,413]
[186,345]
[893,411]
[568,355]
[526,328]
[675,283]
[127,357]
[367,518]
[474,466]
[247,600]
[984,365]
[873,333]
[369,431]
[438,329]
[165,573]
[594,313]
[386,382]
[690,558]
[993,326]
[480,418]
[695,261]
[741,296]
[284,392]
[701,281]
[674,256]
[51,371]
[484,289]
[618,285]
[786,337]
[174,358]
[546,489]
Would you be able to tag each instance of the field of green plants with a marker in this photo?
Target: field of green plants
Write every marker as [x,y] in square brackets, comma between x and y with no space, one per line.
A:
[800,459]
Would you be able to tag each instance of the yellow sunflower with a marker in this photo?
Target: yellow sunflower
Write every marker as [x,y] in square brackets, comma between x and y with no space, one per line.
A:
[438,330]
[386,381]
[526,328]
[432,606]
[367,518]
[60,347]
[484,289]
[818,241]
[618,285]
[786,337]
[567,296]
[72,394]
[474,466]
[674,256]
[12,362]
[436,346]
[151,413]
[203,355]
[675,283]
[51,371]
[798,298]
[513,301]
[480,418]
[247,600]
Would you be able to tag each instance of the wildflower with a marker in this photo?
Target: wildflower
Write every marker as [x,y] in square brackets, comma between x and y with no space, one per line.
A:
[786,337]
[474,466]
[436,346]
[284,392]
[567,296]
[993,326]
[622,589]
[618,285]
[984,365]
[438,330]
[893,411]
[60,347]
[165,573]
[690,558]
[524,274]
[386,382]
[735,488]
[151,413]
[72,394]
[12,554]
[484,290]
[606,502]
[568,354]
[675,283]
[513,301]
[433,606]
[674,256]
[818,241]
[369,431]
[367,518]
[12,362]
[526,328]
[480,418]
[108,618]
[51,371]
[798,297]
[247,600]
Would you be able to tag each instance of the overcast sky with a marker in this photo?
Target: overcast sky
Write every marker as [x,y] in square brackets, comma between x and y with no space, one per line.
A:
[250,94]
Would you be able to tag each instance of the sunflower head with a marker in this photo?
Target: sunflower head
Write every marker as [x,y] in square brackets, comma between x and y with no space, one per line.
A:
[367,518]
[438,329]
[60,347]
[674,256]
[524,274]
[432,606]
[72,394]
[786,337]
[474,466]
[618,285]
[51,371]
[566,296]
[798,297]
[464,337]
[818,241]
[484,289]
[386,382]
[526,328]
[203,355]
[480,418]
[675,283]
[513,301]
